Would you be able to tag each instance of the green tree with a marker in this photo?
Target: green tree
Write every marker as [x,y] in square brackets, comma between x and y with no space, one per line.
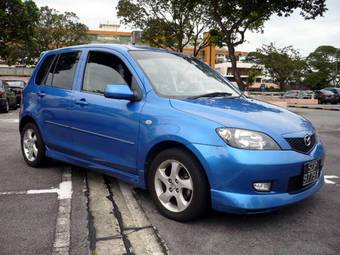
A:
[172,24]
[284,65]
[252,75]
[56,30]
[323,67]
[18,20]
[235,17]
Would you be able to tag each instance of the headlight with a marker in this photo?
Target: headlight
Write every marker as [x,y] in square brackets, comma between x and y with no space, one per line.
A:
[246,139]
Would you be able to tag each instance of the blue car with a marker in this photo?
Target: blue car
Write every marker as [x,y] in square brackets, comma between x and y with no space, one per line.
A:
[170,124]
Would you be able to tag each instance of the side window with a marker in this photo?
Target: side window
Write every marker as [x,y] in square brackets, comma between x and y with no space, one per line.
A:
[65,69]
[44,68]
[49,76]
[103,68]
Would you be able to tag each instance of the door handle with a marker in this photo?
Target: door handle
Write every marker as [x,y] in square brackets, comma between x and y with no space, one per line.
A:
[82,102]
[41,94]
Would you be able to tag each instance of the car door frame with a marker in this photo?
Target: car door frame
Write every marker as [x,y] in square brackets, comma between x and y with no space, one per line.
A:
[43,92]
[141,88]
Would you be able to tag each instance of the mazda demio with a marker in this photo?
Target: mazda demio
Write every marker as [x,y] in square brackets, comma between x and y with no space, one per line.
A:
[168,123]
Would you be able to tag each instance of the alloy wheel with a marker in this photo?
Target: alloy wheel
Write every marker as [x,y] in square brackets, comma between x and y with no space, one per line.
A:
[30,146]
[173,185]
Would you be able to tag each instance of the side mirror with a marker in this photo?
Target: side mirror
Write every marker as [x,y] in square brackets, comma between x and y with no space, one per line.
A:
[119,91]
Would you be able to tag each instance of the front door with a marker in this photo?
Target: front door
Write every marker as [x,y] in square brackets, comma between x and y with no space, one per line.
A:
[106,129]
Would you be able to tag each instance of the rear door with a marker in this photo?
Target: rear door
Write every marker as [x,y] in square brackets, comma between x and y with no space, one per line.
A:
[56,100]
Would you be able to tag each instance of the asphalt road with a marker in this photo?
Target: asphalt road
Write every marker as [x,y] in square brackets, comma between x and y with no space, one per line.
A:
[28,221]
[309,227]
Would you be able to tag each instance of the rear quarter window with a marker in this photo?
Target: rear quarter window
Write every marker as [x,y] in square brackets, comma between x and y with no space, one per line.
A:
[43,70]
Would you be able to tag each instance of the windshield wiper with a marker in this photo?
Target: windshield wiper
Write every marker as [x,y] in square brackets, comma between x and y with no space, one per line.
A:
[212,94]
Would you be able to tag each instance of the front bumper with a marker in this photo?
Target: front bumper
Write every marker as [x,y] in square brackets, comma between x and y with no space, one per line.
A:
[231,173]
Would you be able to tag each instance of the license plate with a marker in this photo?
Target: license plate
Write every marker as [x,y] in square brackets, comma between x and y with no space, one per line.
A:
[311,172]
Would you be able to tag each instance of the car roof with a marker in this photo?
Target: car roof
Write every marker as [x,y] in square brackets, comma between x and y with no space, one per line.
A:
[118,47]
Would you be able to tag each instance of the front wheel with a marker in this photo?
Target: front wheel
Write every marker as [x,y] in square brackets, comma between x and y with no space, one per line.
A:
[32,145]
[178,185]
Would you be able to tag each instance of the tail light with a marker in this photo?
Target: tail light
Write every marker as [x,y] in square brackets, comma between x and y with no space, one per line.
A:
[2,94]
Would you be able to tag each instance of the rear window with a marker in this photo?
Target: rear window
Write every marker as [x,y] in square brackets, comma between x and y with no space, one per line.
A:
[16,84]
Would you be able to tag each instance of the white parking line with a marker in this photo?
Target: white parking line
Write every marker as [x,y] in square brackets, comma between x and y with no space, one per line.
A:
[61,245]
[328,177]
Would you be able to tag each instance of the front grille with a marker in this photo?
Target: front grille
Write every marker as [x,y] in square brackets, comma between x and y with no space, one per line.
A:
[298,144]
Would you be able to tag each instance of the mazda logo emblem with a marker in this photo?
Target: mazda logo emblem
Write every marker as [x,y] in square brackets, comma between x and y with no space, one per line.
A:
[308,140]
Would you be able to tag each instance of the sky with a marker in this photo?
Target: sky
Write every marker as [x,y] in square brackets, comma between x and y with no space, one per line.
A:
[303,35]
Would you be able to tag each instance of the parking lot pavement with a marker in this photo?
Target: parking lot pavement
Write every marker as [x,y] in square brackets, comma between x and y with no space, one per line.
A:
[34,200]
[62,209]
[308,227]
[46,211]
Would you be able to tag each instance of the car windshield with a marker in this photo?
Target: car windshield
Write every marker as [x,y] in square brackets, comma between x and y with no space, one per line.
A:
[177,76]
[16,84]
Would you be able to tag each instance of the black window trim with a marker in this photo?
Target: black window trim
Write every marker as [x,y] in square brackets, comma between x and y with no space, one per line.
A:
[48,70]
[139,92]
[55,60]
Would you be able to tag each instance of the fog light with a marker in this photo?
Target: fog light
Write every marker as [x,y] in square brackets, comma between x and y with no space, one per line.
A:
[262,186]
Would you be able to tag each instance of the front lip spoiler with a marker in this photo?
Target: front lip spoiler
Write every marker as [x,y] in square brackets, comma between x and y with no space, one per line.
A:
[259,203]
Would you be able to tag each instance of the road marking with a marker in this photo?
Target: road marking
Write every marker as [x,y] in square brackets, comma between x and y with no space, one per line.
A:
[328,177]
[10,120]
[61,245]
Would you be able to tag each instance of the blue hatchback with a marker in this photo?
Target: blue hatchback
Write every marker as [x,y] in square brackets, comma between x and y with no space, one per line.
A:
[169,123]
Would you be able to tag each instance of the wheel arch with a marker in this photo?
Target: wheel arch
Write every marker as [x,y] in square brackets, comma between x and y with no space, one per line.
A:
[168,144]
[27,119]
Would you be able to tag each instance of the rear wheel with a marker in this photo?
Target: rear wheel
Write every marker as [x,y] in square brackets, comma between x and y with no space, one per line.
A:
[32,145]
[15,106]
[6,109]
[178,185]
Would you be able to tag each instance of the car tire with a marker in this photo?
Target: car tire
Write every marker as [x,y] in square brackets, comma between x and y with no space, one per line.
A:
[32,146]
[15,106]
[178,185]
[6,109]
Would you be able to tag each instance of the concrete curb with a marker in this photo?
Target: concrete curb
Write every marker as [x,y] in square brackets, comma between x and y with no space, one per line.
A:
[120,224]
[314,107]
[135,225]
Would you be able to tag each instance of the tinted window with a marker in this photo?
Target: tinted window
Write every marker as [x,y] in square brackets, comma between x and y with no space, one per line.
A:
[45,66]
[65,69]
[49,76]
[102,69]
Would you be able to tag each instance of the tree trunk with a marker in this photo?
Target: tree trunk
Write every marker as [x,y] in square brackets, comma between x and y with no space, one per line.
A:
[236,73]
[282,85]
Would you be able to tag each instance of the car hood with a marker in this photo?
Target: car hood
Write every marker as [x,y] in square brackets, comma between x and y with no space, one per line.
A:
[245,113]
